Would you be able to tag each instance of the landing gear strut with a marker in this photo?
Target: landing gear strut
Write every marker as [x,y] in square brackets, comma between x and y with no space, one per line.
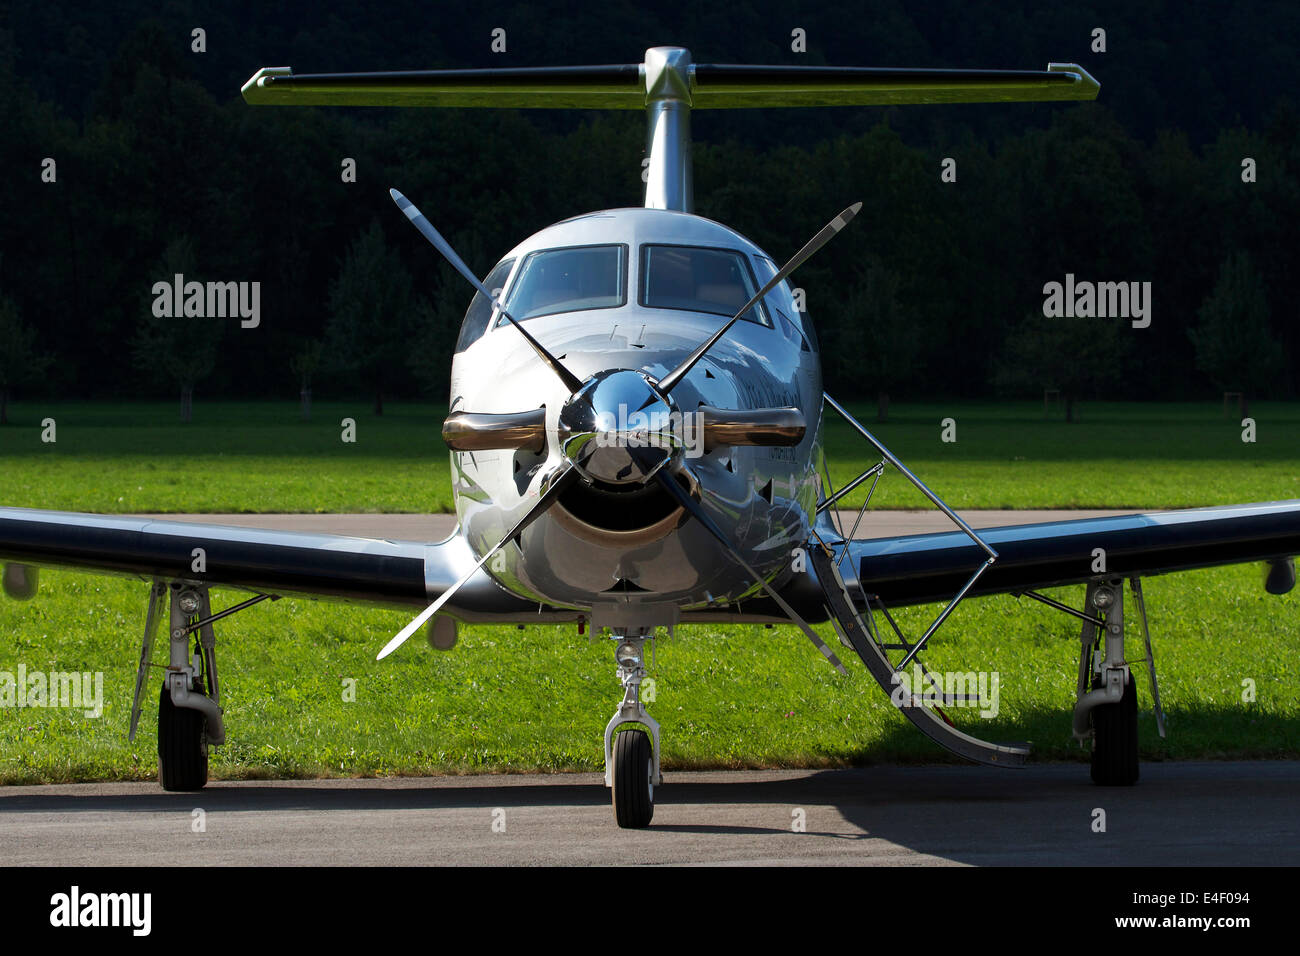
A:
[632,740]
[189,701]
[1106,711]
[189,712]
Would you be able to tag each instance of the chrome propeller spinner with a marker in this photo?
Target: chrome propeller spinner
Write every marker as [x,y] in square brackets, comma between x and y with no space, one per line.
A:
[620,429]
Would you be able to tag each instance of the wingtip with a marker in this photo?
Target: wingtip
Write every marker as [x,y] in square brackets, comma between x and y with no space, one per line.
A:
[1088,85]
[257,91]
[855,207]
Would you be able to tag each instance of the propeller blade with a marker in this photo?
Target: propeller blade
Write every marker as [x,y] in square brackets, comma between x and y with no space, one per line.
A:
[418,219]
[558,484]
[699,514]
[812,245]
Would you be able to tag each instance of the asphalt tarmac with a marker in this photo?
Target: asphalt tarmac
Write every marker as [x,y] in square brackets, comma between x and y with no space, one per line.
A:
[1179,814]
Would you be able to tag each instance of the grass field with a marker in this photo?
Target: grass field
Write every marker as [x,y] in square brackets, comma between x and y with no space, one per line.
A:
[538,698]
[260,457]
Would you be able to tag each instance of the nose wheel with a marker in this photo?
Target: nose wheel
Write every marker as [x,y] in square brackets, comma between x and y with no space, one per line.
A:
[634,789]
[632,752]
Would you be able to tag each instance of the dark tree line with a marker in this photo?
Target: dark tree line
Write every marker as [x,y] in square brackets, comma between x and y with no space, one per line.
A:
[936,289]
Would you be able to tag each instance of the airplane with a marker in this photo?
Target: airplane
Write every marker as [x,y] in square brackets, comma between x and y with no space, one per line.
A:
[636,427]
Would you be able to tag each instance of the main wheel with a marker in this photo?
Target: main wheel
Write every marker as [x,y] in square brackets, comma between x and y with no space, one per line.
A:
[1115,746]
[634,791]
[182,746]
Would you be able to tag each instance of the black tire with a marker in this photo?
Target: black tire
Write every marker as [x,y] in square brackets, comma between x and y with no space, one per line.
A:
[1115,746]
[633,796]
[182,746]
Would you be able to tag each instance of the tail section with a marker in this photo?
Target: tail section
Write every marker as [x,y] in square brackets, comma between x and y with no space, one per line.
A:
[668,86]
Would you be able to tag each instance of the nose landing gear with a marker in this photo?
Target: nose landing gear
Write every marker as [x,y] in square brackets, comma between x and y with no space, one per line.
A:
[632,741]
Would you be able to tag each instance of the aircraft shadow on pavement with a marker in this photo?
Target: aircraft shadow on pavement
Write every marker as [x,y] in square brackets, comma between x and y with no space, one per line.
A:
[1205,812]
[1180,813]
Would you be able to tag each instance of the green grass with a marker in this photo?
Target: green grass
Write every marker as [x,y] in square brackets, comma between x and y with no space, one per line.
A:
[1116,456]
[256,457]
[538,698]
[259,457]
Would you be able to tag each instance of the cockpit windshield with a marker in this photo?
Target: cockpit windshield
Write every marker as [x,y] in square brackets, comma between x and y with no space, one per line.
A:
[480,308]
[698,279]
[569,280]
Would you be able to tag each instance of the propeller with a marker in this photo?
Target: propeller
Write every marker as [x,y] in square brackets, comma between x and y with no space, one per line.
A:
[666,383]
[559,482]
[692,506]
[526,429]
[571,381]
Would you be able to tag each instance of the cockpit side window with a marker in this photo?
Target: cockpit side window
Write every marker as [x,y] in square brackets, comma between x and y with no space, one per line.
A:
[781,298]
[480,309]
[571,279]
[698,279]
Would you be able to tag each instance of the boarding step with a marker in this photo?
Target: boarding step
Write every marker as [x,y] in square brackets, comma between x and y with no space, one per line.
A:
[930,722]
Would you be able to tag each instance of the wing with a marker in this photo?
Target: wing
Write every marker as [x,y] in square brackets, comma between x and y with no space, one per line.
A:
[917,569]
[329,566]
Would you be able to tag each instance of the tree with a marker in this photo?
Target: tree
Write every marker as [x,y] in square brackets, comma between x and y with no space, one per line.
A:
[438,323]
[20,363]
[1234,345]
[1078,356]
[181,350]
[304,365]
[876,343]
[371,304]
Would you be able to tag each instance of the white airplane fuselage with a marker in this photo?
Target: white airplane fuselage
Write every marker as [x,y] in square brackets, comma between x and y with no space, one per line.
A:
[634,547]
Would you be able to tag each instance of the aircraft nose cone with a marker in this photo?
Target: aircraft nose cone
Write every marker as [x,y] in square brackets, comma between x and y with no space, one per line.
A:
[618,428]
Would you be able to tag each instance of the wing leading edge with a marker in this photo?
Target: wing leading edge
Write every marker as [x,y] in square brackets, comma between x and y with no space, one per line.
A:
[911,569]
[329,566]
[918,569]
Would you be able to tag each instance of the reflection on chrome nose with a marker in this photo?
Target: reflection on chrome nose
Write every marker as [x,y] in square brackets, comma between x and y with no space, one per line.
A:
[619,429]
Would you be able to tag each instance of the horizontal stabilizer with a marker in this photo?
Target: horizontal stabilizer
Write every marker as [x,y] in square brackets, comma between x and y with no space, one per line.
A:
[711,86]
[725,86]
[567,87]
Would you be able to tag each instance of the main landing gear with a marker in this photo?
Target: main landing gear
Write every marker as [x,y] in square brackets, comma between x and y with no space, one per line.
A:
[1106,712]
[189,700]
[632,740]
